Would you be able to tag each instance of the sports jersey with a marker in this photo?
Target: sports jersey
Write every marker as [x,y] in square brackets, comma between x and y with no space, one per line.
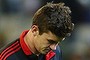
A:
[18,50]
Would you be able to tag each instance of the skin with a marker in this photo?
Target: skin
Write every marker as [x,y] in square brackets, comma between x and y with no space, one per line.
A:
[41,43]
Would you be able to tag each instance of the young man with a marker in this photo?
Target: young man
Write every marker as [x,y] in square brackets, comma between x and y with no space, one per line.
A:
[51,24]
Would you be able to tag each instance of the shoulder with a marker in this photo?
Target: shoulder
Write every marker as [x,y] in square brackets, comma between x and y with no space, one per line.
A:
[9,49]
[13,43]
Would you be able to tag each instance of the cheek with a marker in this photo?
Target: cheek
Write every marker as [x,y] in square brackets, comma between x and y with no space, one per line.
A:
[44,46]
[42,42]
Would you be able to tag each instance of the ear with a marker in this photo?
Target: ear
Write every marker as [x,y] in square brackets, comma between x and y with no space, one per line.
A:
[35,30]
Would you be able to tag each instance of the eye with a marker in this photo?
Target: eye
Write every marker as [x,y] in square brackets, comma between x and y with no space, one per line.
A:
[52,42]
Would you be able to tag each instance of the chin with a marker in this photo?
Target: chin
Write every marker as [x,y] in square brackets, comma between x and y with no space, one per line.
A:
[44,52]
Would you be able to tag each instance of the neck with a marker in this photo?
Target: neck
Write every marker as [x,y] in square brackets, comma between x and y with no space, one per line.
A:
[29,40]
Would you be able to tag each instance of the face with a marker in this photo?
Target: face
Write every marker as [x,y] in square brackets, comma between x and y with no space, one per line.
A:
[46,42]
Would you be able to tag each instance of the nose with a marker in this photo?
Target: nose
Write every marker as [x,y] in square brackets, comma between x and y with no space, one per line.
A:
[53,46]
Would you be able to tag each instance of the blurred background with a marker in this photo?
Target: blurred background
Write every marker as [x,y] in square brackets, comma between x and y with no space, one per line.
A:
[16,16]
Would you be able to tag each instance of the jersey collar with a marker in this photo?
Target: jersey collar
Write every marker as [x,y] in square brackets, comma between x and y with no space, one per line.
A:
[23,44]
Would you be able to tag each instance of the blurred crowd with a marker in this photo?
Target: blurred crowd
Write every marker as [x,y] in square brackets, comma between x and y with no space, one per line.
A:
[16,16]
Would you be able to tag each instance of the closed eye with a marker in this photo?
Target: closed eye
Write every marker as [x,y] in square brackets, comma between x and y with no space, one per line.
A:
[52,42]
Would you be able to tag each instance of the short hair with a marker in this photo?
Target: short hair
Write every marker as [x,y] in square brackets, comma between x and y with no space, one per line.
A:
[54,17]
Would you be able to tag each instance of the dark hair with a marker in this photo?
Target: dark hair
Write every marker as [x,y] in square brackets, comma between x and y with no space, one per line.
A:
[55,18]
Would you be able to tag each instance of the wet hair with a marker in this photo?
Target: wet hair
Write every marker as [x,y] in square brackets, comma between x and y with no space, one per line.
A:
[54,17]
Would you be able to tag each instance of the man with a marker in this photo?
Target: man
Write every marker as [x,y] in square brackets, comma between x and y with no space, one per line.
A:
[51,24]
